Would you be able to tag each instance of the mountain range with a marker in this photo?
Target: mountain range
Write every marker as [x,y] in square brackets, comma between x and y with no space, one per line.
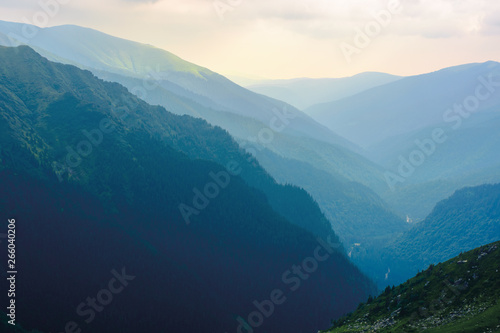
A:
[304,93]
[257,122]
[433,133]
[111,184]
[413,103]
[237,209]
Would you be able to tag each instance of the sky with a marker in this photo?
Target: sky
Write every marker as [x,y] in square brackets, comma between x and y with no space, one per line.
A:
[280,39]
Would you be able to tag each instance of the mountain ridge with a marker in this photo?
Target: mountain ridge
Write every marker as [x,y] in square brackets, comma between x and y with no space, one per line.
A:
[118,206]
[226,95]
[468,218]
[418,96]
[303,93]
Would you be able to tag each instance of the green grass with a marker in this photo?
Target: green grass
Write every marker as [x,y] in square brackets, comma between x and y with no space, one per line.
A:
[460,295]
[479,323]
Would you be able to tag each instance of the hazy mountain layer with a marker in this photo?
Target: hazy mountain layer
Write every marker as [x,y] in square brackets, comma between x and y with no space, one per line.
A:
[96,51]
[304,93]
[97,178]
[413,103]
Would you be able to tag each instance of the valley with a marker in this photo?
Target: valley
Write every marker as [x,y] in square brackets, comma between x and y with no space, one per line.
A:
[223,167]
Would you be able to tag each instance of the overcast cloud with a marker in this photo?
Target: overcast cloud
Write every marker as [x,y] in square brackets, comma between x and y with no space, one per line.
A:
[292,38]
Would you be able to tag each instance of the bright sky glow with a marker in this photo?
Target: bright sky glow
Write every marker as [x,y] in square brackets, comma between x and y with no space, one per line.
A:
[291,38]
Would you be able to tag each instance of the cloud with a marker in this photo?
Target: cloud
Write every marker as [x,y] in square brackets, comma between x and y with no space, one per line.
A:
[491,24]
[447,19]
[281,36]
[321,19]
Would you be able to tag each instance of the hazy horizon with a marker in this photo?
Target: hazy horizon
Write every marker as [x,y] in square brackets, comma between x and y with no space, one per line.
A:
[298,39]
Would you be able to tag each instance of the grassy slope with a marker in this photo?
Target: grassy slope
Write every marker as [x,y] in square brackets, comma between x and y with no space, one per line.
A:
[448,297]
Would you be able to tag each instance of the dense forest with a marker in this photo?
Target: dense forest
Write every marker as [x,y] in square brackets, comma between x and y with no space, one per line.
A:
[115,207]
